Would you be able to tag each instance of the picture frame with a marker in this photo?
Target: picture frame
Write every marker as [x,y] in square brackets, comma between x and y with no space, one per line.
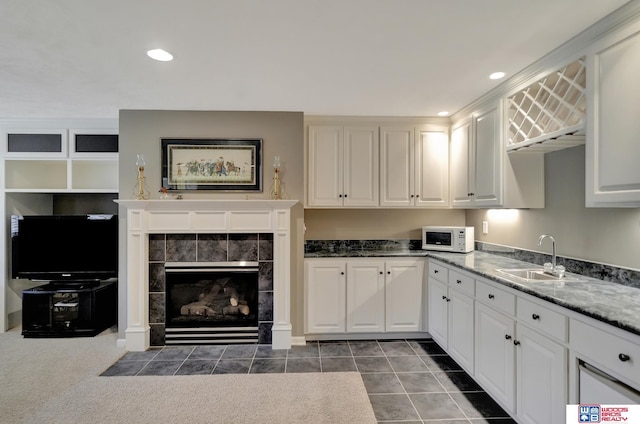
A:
[220,164]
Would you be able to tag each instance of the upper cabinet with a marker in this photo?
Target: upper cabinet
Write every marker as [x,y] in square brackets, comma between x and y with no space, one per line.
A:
[60,160]
[549,114]
[612,147]
[343,166]
[414,166]
[370,166]
[482,175]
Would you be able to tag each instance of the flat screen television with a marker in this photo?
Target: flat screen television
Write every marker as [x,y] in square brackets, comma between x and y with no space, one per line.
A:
[64,248]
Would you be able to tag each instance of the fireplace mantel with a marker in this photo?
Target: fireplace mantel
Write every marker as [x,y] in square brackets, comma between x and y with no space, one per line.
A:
[146,217]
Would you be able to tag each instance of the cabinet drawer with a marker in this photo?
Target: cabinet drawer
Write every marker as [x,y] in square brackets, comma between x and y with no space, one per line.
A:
[438,271]
[499,299]
[542,319]
[462,282]
[606,350]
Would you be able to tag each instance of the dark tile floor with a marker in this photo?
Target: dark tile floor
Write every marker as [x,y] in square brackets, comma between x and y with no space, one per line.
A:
[408,381]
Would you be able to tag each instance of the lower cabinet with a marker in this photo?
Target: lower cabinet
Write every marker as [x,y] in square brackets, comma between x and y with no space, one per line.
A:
[359,295]
[513,345]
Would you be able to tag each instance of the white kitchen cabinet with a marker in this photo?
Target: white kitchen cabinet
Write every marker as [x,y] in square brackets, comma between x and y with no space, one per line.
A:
[403,295]
[612,148]
[363,295]
[414,166]
[495,354]
[482,175]
[451,313]
[343,166]
[326,304]
[541,375]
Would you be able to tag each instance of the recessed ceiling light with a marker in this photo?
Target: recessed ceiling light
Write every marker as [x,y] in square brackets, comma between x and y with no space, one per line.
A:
[443,113]
[497,75]
[159,54]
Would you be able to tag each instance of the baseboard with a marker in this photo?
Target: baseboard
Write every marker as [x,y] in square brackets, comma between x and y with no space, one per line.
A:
[369,336]
[121,343]
[298,341]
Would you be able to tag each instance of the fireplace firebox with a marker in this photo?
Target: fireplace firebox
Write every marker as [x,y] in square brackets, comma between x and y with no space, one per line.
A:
[211,302]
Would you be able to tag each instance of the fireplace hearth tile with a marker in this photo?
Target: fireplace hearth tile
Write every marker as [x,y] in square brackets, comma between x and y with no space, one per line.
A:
[265,246]
[157,247]
[181,247]
[156,308]
[156,335]
[264,332]
[197,367]
[124,368]
[146,355]
[207,352]
[243,247]
[267,351]
[233,366]
[212,247]
[265,306]
[265,366]
[174,353]
[239,351]
[157,277]
[161,368]
[265,276]
[297,365]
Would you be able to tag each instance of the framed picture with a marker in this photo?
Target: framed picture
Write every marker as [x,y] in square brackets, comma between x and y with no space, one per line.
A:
[212,164]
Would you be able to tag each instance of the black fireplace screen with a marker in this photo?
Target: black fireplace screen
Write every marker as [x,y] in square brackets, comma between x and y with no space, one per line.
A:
[216,295]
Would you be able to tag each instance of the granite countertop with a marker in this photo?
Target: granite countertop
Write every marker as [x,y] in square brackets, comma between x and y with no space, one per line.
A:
[612,303]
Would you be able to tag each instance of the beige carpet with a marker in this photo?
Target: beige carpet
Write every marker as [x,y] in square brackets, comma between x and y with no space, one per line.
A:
[57,381]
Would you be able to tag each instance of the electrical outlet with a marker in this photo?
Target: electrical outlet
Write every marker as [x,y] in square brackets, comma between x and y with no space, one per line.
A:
[485,227]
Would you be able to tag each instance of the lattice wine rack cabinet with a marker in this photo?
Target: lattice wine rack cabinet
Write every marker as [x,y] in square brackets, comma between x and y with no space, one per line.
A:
[549,114]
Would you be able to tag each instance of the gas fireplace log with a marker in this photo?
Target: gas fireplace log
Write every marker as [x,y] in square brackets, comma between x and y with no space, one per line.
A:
[236,310]
[197,308]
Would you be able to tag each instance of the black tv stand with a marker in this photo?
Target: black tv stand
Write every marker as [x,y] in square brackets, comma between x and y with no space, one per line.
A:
[69,309]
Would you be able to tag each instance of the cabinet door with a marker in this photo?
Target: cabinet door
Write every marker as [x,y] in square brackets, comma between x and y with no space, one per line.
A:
[432,168]
[438,312]
[612,148]
[403,290]
[361,163]
[325,184]
[542,378]
[396,166]
[460,329]
[460,163]
[365,296]
[325,296]
[487,190]
[495,356]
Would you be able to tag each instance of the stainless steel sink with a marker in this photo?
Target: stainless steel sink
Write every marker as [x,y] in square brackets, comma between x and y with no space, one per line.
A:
[535,274]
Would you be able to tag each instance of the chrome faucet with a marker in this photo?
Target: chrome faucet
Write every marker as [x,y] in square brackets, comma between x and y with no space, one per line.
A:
[553,248]
[553,267]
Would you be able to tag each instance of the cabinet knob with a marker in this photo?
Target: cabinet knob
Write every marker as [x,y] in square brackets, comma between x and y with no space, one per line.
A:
[381,272]
[516,342]
[340,196]
[444,297]
[345,196]
[624,357]
[535,316]
[507,337]
[491,296]
[458,281]
[389,272]
[448,300]
[435,271]
[342,273]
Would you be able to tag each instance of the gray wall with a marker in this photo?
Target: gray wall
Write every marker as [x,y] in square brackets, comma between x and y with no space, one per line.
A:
[282,134]
[605,235]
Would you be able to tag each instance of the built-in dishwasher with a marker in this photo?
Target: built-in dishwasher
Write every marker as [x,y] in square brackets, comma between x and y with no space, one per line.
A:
[598,387]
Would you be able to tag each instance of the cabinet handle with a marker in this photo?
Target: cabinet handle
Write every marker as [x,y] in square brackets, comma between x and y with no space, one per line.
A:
[535,316]
[458,281]
[444,297]
[491,296]
[516,342]
[435,271]
[624,357]
[507,337]
[448,300]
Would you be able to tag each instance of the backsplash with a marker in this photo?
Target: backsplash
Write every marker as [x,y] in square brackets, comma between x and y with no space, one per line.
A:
[359,248]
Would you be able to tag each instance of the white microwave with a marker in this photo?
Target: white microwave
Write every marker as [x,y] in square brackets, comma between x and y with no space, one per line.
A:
[448,239]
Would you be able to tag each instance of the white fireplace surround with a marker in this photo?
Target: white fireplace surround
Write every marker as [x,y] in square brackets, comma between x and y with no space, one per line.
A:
[146,217]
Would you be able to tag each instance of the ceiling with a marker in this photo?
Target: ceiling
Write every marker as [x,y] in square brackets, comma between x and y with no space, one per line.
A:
[78,58]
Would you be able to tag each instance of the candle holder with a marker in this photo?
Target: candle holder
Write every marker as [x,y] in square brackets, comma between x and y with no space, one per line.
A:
[141,192]
[277,187]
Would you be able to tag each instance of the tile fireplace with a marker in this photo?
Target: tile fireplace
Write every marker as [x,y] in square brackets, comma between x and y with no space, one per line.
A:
[190,237]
